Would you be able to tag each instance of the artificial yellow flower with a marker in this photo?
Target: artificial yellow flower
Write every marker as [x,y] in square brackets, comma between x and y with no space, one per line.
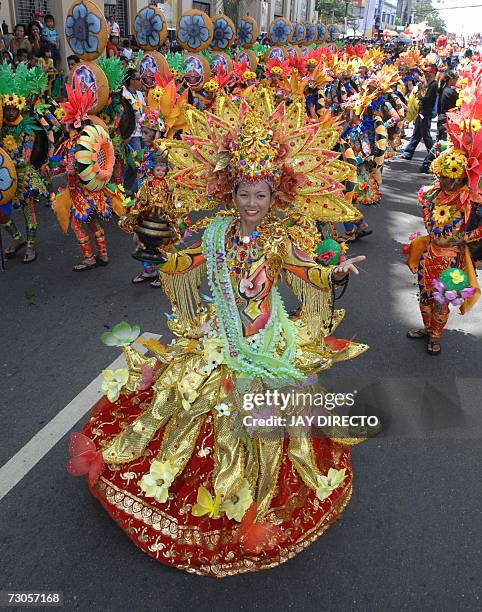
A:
[235,507]
[59,113]
[207,504]
[113,381]
[10,143]
[137,105]
[457,277]
[442,214]
[327,484]
[157,93]
[157,482]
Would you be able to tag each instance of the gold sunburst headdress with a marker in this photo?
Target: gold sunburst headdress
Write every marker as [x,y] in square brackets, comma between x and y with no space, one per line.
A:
[252,140]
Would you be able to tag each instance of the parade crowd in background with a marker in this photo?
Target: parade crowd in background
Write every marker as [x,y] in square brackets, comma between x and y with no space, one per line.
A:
[249,159]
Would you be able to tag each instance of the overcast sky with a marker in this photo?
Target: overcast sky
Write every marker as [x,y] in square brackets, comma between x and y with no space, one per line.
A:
[461,20]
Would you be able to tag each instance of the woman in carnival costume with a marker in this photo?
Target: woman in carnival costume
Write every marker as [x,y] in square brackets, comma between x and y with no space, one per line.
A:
[88,158]
[167,452]
[451,210]
[23,137]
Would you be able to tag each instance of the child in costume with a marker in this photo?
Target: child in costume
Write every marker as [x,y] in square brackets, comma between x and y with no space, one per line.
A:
[451,210]
[25,140]
[154,196]
[207,493]
[88,158]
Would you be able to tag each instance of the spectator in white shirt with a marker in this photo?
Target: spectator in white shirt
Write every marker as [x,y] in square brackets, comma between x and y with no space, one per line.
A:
[113,27]
[131,91]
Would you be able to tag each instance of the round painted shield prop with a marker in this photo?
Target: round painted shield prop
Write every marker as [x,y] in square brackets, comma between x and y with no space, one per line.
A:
[223,60]
[275,53]
[150,28]
[94,157]
[247,32]
[224,32]
[293,52]
[194,31]
[90,75]
[148,65]
[311,33]
[86,30]
[197,72]
[249,57]
[280,31]
[332,32]
[322,32]
[8,178]
[299,33]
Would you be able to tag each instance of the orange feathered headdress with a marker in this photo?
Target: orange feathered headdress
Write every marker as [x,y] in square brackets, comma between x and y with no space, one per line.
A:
[80,100]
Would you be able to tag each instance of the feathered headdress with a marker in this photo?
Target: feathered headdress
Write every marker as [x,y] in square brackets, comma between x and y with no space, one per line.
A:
[23,84]
[252,140]
[78,104]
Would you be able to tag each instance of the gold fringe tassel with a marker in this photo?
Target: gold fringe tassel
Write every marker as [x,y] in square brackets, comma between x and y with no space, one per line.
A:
[183,291]
[316,303]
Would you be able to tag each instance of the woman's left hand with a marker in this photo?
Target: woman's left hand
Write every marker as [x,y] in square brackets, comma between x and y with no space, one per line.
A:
[340,271]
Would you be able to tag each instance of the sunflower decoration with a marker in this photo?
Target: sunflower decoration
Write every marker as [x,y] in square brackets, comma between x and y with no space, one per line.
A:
[94,156]
[211,86]
[450,164]
[59,113]
[16,88]
[443,214]
[156,93]
[10,143]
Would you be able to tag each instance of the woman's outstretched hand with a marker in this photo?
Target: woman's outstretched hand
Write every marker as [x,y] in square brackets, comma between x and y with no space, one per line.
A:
[340,271]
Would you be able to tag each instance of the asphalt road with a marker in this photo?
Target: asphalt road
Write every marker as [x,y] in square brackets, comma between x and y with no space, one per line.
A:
[410,537]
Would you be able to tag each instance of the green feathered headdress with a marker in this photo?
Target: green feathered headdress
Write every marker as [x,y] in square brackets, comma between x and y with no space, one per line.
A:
[23,83]
[114,71]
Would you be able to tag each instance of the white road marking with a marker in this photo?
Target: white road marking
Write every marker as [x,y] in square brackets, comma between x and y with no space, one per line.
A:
[29,455]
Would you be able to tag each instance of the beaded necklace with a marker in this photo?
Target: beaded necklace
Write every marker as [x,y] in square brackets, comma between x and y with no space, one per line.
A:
[248,360]
[241,252]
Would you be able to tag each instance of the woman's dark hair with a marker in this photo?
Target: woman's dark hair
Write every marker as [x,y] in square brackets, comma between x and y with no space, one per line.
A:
[131,75]
[31,25]
[73,58]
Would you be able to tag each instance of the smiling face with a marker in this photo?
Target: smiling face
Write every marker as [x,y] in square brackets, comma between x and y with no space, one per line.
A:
[253,201]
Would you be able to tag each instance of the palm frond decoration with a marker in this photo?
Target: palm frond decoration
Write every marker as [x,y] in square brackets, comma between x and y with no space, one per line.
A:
[114,71]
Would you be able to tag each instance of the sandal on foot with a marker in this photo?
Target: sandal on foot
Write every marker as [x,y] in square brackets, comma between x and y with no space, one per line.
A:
[83,266]
[434,347]
[29,257]
[416,334]
[101,262]
[142,278]
[12,250]
[156,284]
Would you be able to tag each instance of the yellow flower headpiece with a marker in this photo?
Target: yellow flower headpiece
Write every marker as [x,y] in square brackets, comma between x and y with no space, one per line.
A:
[211,86]
[14,100]
[450,164]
